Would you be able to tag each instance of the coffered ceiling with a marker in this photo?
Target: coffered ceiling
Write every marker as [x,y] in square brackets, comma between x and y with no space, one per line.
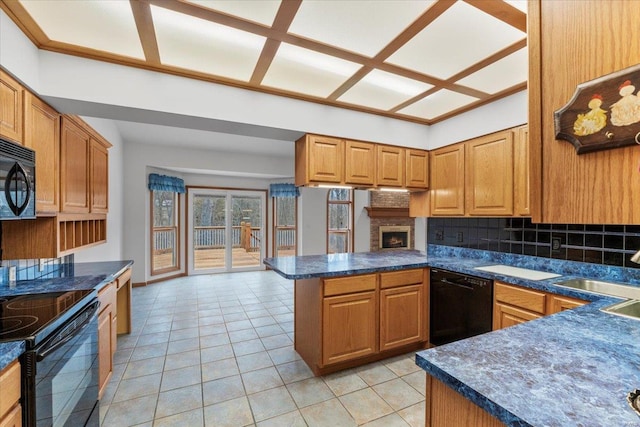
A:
[417,60]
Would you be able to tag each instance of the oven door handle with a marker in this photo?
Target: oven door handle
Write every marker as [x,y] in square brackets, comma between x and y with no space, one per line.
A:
[460,285]
[58,340]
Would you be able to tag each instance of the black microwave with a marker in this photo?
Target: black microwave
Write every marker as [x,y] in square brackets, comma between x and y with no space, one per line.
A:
[17,181]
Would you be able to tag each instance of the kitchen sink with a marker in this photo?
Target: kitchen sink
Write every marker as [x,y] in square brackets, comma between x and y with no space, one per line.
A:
[629,309]
[603,288]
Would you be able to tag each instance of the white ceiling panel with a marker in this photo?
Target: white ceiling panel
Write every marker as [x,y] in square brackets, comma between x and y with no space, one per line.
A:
[359,26]
[304,71]
[103,25]
[500,75]
[261,11]
[383,90]
[188,42]
[459,38]
[437,104]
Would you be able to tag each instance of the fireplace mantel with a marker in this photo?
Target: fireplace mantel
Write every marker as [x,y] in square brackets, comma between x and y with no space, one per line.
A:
[387,212]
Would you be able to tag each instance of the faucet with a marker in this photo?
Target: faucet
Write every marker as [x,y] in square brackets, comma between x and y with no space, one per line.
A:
[636,258]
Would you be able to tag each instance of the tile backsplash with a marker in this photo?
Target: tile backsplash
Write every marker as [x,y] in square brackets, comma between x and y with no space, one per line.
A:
[599,244]
[30,269]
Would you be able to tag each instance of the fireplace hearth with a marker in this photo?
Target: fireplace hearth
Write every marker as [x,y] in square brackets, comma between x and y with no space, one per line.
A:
[394,237]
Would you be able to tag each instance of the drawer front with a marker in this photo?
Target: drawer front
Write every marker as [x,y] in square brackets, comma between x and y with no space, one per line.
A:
[10,387]
[107,296]
[123,278]
[519,297]
[401,278]
[348,285]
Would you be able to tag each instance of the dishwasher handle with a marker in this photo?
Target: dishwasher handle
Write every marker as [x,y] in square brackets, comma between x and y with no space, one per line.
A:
[460,285]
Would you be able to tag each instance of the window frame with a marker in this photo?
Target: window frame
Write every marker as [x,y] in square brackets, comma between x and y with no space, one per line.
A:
[351,229]
[176,227]
[274,227]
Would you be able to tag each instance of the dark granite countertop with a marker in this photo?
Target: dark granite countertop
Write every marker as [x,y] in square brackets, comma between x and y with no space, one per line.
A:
[78,276]
[570,368]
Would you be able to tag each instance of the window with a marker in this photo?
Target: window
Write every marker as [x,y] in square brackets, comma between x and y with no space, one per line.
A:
[164,232]
[339,220]
[284,226]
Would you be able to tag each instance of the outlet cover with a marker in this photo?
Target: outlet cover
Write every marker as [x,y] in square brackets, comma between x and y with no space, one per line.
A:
[460,237]
[556,244]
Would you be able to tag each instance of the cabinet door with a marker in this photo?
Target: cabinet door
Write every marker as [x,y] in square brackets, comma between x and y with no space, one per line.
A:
[489,175]
[506,315]
[11,113]
[391,164]
[360,163]
[521,172]
[42,134]
[13,418]
[74,168]
[10,386]
[447,181]
[558,303]
[99,170]
[323,159]
[107,334]
[401,316]
[417,169]
[349,327]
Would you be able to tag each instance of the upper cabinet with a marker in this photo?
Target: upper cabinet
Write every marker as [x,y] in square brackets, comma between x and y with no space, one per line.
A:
[600,187]
[99,176]
[447,180]
[11,113]
[42,135]
[489,175]
[390,166]
[521,172]
[417,169]
[360,164]
[74,173]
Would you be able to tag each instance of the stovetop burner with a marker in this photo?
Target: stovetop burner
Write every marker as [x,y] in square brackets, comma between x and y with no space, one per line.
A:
[28,316]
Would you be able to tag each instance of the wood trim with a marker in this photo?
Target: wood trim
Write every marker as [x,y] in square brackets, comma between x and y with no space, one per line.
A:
[146,31]
[489,60]
[159,279]
[25,22]
[502,11]
[375,212]
[153,271]
[535,112]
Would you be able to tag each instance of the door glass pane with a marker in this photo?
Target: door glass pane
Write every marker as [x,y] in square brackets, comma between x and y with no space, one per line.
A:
[285,228]
[209,238]
[246,227]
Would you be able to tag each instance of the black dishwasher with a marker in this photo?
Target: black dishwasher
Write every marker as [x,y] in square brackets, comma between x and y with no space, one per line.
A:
[460,306]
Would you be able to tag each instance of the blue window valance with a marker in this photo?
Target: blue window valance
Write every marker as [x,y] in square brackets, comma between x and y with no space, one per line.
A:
[159,182]
[284,190]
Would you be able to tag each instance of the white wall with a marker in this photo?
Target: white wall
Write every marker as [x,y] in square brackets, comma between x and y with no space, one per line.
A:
[112,250]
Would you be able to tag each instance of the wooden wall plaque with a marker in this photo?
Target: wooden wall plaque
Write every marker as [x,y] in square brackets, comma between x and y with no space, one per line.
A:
[603,113]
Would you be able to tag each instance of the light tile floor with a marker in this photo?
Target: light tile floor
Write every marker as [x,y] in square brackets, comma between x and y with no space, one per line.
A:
[217,350]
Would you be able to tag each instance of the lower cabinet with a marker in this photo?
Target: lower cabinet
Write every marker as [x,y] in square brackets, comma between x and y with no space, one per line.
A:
[352,320]
[513,304]
[107,334]
[10,409]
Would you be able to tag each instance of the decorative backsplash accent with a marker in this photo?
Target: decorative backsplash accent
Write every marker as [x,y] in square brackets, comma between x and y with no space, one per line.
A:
[30,269]
[599,244]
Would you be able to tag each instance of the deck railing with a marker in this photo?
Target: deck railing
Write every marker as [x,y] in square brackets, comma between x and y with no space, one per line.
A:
[164,239]
[213,237]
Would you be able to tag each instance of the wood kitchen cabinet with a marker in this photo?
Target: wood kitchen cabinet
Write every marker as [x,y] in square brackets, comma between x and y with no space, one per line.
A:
[11,113]
[521,172]
[319,159]
[99,174]
[10,409]
[447,181]
[417,169]
[107,334]
[74,168]
[352,320]
[360,163]
[42,135]
[390,166]
[565,51]
[489,175]
[514,304]
[402,308]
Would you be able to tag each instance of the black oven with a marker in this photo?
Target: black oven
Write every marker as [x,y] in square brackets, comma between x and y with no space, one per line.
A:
[60,365]
[17,181]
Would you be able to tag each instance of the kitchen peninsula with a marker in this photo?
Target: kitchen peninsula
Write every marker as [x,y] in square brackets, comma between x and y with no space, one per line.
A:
[354,308]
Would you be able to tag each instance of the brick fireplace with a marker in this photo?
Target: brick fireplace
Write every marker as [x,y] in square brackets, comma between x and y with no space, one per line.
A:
[389,209]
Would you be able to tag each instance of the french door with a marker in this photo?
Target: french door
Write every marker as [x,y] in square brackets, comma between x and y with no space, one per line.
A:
[227,230]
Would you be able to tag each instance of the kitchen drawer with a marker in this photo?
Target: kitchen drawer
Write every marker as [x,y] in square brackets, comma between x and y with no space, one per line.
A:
[10,386]
[349,285]
[401,278]
[523,298]
[123,278]
[107,296]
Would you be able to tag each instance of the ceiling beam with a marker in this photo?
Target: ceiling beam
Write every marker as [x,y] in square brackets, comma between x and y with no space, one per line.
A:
[146,31]
[282,22]
[502,11]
